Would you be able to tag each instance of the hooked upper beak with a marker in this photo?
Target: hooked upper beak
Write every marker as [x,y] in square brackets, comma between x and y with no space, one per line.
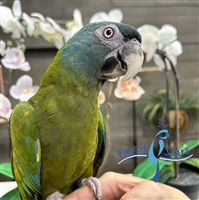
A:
[124,61]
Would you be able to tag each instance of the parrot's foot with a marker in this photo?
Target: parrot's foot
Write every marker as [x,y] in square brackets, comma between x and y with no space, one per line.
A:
[55,196]
[95,186]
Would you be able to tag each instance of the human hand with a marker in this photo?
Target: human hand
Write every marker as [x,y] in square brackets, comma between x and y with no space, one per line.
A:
[117,186]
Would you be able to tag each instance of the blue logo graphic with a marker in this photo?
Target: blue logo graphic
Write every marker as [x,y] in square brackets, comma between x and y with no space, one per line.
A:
[151,156]
[140,151]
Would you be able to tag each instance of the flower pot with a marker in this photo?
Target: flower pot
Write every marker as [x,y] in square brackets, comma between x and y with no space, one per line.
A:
[187,182]
[183,118]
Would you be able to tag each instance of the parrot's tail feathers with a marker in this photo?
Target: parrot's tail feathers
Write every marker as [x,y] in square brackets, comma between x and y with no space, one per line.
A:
[38,197]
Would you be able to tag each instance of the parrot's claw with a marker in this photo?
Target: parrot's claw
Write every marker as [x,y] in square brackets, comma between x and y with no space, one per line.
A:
[95,186]
[55,196]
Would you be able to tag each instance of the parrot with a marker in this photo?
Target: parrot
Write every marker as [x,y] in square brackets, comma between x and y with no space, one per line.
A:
[58,136]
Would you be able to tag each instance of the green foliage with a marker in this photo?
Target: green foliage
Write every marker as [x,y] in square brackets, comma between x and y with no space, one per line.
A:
[12,195]
[192,161]
[6,169]
[146,169]
[154,106]
[190,144]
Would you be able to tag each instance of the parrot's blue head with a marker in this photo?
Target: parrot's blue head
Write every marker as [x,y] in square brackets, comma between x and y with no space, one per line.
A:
[103,50]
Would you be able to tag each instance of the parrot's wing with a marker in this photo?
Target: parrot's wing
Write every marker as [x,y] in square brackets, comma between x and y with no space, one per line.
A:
[101,143]
[26,151]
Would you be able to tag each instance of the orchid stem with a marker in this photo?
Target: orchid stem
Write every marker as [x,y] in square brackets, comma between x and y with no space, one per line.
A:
[167,92]
[134,131]
[177,135]
[10,76]
[176,81]
[167,98]
[8,82]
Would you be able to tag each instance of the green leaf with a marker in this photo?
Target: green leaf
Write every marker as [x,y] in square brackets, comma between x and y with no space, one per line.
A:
[153,112]
[191,161]
[6,169]
[165,176]
[146,169]
[166,173]
[12,195]
[190,144]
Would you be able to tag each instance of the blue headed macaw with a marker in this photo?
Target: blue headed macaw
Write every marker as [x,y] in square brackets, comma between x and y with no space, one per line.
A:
[58,135]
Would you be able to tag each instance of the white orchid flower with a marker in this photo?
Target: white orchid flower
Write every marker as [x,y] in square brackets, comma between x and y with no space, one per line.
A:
[58,39]
[15,59]
[5,107]
[9,22]
[167,34]
[45,30]
[74,26]
[149,35]
[30,24]
[172,51]
[38,16]
[114,15]
[16,8]
[163,39]
[24,89]
[48,29]
[43,27]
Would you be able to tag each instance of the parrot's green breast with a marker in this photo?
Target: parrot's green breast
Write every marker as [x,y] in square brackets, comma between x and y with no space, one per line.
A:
[68,125]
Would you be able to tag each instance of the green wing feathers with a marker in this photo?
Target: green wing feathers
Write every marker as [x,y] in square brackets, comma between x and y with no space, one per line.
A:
[101,143]
[26,154]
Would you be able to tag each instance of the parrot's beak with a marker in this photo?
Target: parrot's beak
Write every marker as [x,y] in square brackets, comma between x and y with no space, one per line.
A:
[125,61]
[131,55]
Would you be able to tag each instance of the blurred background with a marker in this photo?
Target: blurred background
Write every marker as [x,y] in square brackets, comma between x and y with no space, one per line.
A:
[183,15]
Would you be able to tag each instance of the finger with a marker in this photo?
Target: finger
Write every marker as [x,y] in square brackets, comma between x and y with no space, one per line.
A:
[115,185]
[80,194]
[155,191]
[144,190]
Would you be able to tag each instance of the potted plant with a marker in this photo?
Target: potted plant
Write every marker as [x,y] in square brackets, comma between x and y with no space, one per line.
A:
[188,177]
[177,169]
[155,108]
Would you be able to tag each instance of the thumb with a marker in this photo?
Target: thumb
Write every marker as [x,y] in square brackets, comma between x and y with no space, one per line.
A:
[153,190]
[144,190]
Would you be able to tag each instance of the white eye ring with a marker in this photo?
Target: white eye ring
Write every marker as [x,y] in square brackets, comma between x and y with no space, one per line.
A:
[108,32]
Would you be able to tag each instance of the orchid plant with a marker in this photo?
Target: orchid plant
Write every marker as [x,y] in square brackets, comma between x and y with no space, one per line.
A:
[160,41]
[130,89]
[162,45]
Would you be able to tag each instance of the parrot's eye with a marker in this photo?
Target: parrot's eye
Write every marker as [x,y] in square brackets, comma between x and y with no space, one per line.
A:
[108,32]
